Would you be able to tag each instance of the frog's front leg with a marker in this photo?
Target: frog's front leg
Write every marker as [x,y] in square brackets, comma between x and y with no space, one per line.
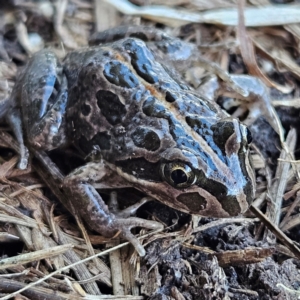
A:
[89,204]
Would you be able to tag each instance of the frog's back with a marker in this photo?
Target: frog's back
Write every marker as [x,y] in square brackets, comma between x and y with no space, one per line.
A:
[122,101]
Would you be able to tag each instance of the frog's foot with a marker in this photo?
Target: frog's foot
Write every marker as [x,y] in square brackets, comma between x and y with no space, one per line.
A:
[125,226]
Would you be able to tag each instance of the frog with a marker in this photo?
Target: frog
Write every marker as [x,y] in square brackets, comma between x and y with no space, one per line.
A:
[138,124]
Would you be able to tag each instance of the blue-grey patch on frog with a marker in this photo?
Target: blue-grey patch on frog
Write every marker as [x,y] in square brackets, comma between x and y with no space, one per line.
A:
[146,138]
[205,128]
[151,107]
[169,46]
[111,106]
[120,75]
[141,60]
[185,101]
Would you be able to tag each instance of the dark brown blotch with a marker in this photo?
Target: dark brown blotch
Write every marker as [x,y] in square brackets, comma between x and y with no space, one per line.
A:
[85,109]
[152,108]
[94,78]
[193,201]
[100,141]
[139,35]
[141,168]
[111,107]
[91,64]
[228,202]
[232,146]
[170,97]
[146,138]
[222,131]
[57,141]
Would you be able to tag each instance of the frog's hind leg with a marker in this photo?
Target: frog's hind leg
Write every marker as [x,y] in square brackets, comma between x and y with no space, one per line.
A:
[49,132]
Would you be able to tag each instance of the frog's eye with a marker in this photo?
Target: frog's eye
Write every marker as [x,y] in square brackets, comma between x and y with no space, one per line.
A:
[178,174]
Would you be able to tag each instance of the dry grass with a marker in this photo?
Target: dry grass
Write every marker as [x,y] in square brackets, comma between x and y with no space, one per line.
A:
[269,49]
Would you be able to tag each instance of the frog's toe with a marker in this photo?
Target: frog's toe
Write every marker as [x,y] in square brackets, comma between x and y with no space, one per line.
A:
[130,210]
[126,234]
[24,155]
[125,226]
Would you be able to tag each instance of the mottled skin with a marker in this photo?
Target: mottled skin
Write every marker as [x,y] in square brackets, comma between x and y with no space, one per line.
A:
[141,126]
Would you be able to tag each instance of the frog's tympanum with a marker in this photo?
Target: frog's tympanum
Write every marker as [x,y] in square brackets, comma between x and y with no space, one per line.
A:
[140,126]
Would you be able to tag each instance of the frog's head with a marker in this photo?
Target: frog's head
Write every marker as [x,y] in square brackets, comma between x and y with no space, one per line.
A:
[211,176]
[204,161]
[214,175]
[194,163]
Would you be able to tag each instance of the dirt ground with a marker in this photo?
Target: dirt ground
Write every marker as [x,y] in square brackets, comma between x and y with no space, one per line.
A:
[255,256]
